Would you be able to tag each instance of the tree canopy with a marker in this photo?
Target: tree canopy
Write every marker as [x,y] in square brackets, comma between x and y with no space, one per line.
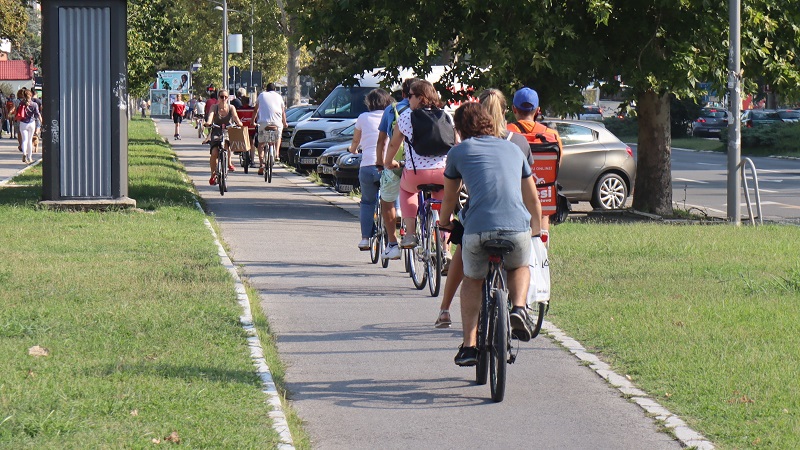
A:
[658,48]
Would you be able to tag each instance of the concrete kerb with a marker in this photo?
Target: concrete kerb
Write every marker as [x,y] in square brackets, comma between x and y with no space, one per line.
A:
[276,415]
[671,422]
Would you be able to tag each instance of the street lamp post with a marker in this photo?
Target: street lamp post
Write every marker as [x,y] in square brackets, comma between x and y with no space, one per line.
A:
[225,44]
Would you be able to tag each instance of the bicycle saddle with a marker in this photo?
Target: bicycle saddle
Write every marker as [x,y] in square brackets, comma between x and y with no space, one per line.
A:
[430,187]
[271,127]
[498,246]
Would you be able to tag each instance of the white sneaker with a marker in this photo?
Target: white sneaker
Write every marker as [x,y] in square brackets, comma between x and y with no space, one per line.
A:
[363,245]
[392,252]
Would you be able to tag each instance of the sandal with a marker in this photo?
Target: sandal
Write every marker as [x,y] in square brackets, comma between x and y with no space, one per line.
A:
[443,321]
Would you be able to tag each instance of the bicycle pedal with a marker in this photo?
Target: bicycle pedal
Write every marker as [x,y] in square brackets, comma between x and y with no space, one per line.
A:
[512,358]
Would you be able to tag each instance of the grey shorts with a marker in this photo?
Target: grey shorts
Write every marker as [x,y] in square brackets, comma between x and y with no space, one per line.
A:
[262,131]
[390,186]
[476,259]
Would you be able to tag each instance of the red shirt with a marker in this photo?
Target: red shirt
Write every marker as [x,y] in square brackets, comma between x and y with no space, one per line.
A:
[211,102]
[178,108]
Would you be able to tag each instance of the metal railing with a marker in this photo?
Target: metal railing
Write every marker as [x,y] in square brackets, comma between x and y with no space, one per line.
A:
[749,163]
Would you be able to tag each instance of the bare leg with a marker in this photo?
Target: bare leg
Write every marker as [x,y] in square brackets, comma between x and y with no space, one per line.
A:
[390,220]
[214,156]
[519,280]
[470,307]
[454,277]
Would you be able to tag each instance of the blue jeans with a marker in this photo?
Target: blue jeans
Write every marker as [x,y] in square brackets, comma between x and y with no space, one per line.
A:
[368,176]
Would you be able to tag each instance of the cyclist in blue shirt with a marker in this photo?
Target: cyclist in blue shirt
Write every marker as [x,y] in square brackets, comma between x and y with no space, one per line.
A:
[502,205]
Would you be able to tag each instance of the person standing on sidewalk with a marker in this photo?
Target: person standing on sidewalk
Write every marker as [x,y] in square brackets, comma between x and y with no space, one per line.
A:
[365,138]
[28,114]
[10,110]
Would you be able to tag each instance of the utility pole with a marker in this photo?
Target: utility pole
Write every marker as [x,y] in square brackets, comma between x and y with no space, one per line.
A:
[225,44]
[252,12]
[734,110]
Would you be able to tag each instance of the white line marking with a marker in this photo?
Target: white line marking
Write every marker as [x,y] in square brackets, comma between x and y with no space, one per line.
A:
[690,180]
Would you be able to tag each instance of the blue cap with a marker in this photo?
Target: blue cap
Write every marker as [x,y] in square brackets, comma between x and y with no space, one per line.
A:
[526,99]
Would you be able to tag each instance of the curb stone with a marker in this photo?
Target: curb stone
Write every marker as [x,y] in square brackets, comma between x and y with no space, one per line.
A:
[682,432]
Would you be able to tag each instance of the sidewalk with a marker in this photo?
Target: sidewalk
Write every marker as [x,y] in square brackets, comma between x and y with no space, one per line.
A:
[11,158]
[365,367]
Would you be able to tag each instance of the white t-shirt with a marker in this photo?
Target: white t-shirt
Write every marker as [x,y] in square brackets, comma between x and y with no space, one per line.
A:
[420,162]
[368,124]
[270,108]
[200,107]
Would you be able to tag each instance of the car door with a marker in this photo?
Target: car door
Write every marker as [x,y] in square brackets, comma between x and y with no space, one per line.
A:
[583,159]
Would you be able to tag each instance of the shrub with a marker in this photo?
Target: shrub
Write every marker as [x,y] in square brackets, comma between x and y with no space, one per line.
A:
[777,139]
[627,126]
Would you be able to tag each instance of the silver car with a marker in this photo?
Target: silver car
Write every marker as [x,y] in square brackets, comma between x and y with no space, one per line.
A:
[596,166]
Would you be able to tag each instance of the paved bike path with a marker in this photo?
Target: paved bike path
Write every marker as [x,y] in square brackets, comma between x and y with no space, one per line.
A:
[366,368]
[11,158]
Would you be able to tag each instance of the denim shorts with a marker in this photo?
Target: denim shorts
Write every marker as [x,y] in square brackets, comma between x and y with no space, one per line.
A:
[390,186]
[476,259]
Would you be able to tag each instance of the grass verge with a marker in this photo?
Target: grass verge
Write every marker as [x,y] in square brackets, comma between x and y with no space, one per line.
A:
[138,317]
[705,318]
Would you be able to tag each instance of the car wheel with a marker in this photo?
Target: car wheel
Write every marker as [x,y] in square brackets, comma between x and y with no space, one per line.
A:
[610,192]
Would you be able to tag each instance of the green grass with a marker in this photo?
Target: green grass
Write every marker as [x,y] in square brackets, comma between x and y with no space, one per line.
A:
[705,318]
[713,145]
[138,315]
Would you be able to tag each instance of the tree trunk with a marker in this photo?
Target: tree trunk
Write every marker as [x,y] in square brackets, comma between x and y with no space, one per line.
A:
[292,74]
[653,188]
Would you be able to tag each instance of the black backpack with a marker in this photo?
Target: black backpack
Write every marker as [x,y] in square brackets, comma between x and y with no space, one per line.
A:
[433,133]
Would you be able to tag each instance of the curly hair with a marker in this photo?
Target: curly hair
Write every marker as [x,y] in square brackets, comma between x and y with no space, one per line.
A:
[471,120]
[426,93]
[377,99]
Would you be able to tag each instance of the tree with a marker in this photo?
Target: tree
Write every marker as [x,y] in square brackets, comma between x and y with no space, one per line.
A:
[658,48]
[13,21]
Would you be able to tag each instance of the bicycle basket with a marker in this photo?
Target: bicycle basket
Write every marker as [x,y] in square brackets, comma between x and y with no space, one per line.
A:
[272,135]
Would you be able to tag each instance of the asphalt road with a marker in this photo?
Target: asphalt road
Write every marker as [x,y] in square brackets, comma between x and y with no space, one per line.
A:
[366,368]
[699,180]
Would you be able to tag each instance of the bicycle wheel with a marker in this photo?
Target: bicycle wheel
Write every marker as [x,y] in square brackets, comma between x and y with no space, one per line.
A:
[433,253]
[377,235]
[498,349]
[482,368]
[222,165]
[384,244]
[407,260]
[418,268]
[540,310]
[270,163]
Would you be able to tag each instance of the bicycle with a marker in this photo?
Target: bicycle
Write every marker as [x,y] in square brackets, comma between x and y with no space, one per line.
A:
[201,130]
[427,257]
[222,158]
[380,238]
[271,141]
[494,326]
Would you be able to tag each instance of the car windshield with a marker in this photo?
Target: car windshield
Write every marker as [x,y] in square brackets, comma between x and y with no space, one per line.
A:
[591,110]
[344,102]
[293,114]
[349,131]
[766,115]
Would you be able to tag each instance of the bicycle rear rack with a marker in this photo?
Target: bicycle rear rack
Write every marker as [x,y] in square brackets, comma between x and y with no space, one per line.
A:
[749,163]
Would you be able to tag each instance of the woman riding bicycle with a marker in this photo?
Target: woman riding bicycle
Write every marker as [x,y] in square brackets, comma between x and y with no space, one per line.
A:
[365,137]
[221,114]
[418,169]
[502,205]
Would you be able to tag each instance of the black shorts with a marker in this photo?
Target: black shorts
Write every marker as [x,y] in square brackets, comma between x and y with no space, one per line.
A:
[177,118]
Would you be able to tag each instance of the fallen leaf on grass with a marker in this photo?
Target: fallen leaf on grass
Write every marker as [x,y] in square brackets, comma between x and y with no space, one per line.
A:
[173,437]
[757,441]
[743,399]
[135,412]
[31,374]
[678,323]
[628,377]
[785,411]
[38,351]
[156,441]
[667,395]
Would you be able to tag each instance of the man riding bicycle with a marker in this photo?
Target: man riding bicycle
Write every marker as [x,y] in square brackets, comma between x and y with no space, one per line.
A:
[269,112]
[502,205]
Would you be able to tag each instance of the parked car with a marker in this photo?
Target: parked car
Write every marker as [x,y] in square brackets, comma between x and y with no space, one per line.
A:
[328,159]
[294,115]
[712,122]
[596,166]
[305,157]
[760,117]
[789,115]
[345,172]
[591,112]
